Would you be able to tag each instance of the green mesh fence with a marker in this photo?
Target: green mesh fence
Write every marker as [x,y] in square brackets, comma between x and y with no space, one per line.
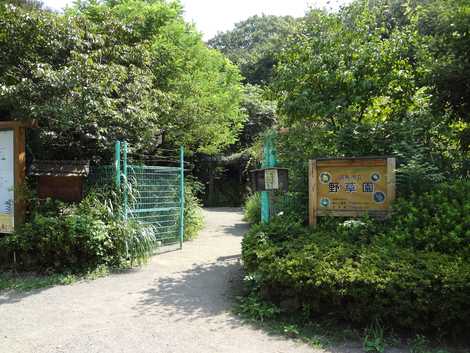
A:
[154,200]
[152,195]
[101,176]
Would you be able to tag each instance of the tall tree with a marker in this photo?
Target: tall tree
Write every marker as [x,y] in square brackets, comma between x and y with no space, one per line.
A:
[254,43]
[125,69]
[365,81]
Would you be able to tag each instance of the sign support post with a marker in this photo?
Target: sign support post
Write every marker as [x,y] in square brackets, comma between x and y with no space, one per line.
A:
[269,160]
[312,192]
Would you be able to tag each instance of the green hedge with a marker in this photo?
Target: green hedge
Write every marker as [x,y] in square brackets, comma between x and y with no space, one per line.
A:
[75,237]
[80,237]
[411,272]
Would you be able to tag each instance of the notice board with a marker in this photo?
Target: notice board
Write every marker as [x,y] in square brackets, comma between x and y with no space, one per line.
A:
[12,173]
[7,181]
[351,187]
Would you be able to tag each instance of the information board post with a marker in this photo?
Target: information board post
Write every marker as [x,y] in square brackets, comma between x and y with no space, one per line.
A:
[12,173]
[312,192]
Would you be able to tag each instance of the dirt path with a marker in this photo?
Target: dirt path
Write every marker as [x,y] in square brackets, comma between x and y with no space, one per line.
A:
[179,303]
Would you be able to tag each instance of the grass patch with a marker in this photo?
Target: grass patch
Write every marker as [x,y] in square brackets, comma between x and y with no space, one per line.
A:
[25,282]
[326,332]
[319,334]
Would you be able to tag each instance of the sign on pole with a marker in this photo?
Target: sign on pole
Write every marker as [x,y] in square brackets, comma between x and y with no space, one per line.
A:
[7,181]
[270,179]
[351,187]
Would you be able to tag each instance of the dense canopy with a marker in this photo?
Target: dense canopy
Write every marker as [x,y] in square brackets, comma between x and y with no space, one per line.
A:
[127,69]
[382,77]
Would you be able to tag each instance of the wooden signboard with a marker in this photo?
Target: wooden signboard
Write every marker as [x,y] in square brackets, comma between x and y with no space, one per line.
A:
[12,173]
[351,187]
[270,179]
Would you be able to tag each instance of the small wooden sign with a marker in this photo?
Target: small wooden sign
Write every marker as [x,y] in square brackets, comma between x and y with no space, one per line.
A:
[62,180]
[351,187]
[270,179]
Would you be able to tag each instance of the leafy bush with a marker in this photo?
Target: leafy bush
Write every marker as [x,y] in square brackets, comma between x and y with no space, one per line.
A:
[59,237]
[253,307]
[374,339]
[290,206]
[412,271]
[193,218]
[252,208]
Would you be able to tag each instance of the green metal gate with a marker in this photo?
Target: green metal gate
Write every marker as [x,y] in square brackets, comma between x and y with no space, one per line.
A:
[153,195]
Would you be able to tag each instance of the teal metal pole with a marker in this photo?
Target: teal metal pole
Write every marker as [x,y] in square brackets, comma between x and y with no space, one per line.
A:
[117,164]
[126,186]
[269,160]
[181,196]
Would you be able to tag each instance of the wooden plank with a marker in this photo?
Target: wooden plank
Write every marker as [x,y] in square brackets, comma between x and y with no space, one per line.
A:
[312,192]
[64,188]
[351,213]
[13,124]
[352,163]
[391,180]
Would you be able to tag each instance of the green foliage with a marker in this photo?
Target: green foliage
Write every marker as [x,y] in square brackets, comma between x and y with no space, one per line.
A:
[374,339]
[26,283]
[370,80]
[438,220]
[419,344]
[291,330]
[193,218]
[252,208]
[129,70]
[59,237]
[286,206]
[253,45]
[261,113]
[412,271]
[255,308]
[23,282]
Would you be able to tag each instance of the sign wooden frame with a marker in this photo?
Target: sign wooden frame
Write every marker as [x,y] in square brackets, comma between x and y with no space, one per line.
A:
[19,162]
[259,182]
[387,163]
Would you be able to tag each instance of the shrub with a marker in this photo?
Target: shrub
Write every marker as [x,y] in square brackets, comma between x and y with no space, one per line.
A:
[193,218]
[61,237]
[412,272]
[253,208]
[286,205]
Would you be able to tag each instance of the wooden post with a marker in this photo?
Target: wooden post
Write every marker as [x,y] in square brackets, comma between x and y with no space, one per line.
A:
[391,180]
[312,192]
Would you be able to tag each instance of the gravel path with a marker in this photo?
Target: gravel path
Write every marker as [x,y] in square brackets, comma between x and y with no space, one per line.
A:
[178,303]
